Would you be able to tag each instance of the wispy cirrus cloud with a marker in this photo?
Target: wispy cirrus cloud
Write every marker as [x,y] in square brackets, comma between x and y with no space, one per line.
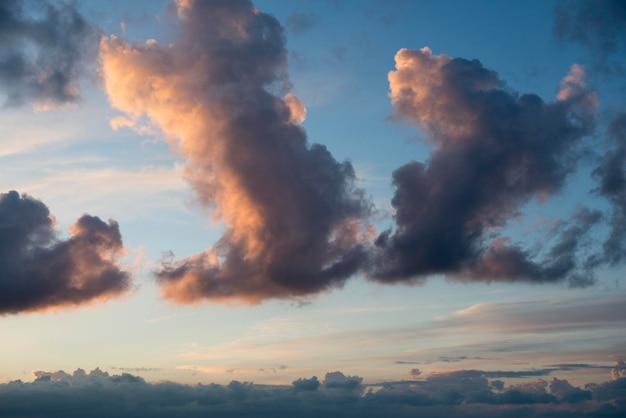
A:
[538,316]
[125,193]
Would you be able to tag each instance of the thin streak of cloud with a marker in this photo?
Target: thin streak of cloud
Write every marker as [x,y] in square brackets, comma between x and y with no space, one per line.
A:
[538,316]
[123,193]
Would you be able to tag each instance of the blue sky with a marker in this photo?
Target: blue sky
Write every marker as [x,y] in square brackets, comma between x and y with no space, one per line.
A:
[154,140]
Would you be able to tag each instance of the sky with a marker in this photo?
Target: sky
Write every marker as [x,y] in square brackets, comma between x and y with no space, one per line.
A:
[317,207]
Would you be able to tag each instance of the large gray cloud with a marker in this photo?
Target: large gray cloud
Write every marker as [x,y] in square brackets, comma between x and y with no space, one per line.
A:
[293,216]
[494,150]
[39,271]
[98,394]
[42,57]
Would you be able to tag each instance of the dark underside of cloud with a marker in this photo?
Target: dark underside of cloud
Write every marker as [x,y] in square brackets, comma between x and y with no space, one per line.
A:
[98,394]
[40,271]
[42,57]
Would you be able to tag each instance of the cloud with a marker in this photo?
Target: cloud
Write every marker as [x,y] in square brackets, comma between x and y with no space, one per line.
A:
[123,193]
[611,174]
[498,374]
[494,150]
[137,369]
[294,218]
[39,271]
[299,23]
[43,57]
[98,394]
[337,380]
[306,384]
[619,371]
[599,25]
[577,366]
[537,316]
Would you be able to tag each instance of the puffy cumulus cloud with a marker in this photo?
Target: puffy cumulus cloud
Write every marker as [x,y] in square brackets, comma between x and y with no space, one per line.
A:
[306,384]
[569,393]
[43,52]
[599,25]
[494,150]
[337,380]
[613,391]
[619,371]
[39,271]
[98,394]
[293,216]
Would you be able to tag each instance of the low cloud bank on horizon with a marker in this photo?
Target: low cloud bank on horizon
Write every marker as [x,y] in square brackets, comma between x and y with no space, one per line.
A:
[469,393]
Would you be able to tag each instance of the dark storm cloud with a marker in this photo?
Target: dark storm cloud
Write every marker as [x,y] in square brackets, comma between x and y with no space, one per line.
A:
[39,271]
[494,150]
[293,216]
[43,56]
[98,394]
[599,25]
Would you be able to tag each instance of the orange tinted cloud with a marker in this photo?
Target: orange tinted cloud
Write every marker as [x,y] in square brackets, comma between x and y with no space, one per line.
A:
[294,219]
